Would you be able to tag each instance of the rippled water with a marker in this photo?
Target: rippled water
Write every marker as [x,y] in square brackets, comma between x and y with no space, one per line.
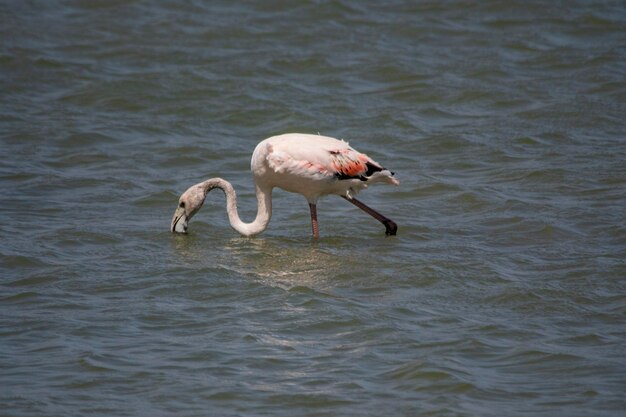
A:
[503,293]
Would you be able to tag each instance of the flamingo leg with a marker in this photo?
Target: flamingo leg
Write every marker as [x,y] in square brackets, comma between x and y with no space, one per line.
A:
[390,226]
[314,226]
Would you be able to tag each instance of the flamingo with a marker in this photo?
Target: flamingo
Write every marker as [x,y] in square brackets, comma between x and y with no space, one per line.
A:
[311,165]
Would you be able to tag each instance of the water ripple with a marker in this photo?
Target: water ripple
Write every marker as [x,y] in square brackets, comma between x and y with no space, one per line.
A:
[504,123]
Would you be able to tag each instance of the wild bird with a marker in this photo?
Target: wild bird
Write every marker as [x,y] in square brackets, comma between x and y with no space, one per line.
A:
[311,165]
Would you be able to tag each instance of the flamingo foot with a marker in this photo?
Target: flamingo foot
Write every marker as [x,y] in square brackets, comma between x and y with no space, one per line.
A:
[390,227]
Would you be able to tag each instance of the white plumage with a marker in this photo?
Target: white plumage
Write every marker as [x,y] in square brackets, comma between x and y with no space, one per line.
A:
[311,165]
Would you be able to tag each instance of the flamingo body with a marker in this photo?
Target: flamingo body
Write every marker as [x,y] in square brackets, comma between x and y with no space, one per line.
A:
[310,165]
[314,166]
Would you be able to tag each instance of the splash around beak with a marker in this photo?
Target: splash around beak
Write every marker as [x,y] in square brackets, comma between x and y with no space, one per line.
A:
[179,221]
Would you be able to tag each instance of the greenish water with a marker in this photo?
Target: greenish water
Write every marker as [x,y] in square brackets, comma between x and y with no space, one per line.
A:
[502,294]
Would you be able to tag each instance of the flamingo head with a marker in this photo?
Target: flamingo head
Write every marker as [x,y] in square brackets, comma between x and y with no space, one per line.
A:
[188,205]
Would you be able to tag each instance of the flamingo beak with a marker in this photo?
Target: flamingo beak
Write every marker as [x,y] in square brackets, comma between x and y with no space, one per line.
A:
[179,221]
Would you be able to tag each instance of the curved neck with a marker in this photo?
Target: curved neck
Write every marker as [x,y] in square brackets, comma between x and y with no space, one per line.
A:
[264,206]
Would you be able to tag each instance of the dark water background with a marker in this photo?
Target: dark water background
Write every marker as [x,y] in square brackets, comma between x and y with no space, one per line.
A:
[503,294]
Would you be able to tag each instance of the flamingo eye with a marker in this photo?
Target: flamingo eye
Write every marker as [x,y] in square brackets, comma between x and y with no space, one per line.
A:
[182,204]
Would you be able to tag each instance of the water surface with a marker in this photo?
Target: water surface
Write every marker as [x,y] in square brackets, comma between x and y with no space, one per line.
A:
[503,293]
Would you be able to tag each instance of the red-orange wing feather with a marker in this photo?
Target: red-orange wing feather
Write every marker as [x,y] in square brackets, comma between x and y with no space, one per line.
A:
[349,163]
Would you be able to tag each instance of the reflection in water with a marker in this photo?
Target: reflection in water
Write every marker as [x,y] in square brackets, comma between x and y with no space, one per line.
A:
[280,262]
